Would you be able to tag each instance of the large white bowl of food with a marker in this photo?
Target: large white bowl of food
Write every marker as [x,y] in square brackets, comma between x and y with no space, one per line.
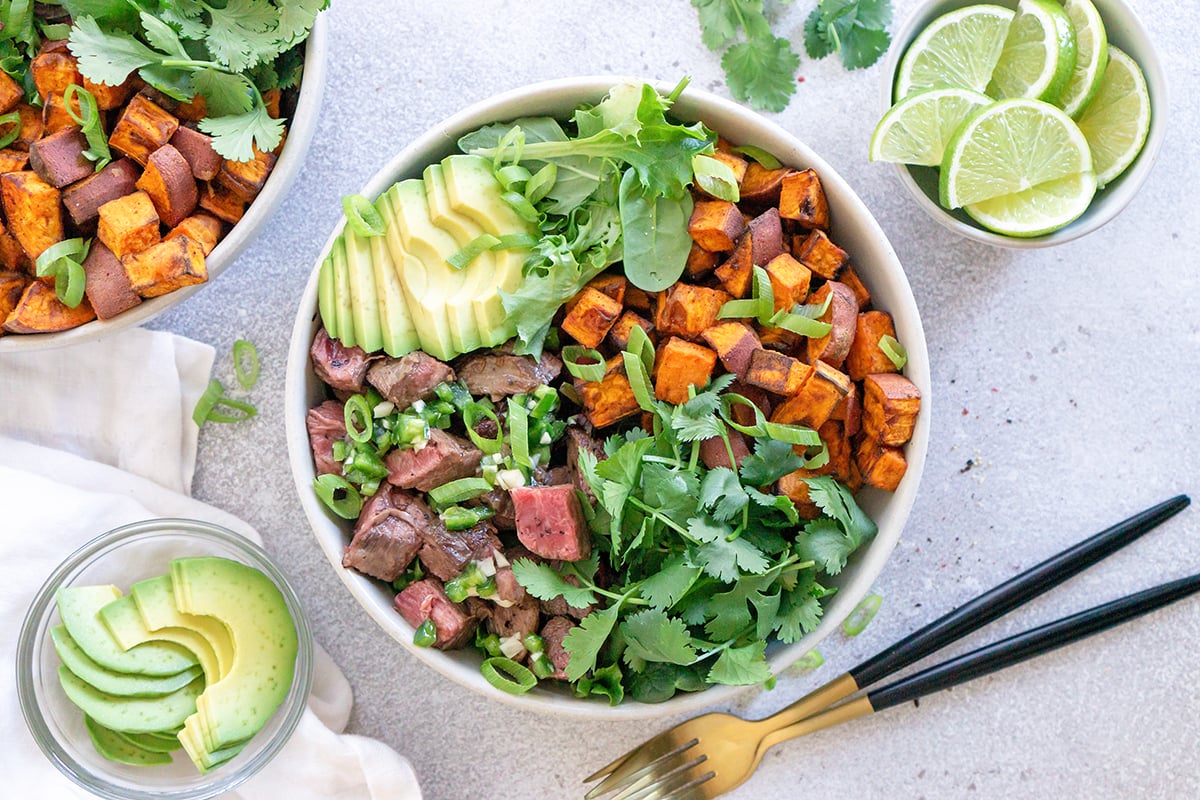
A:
[606,398]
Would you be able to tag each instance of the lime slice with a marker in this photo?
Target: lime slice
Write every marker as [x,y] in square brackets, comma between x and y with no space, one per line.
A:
[1037,210]
[959,49]
[1008,147]
[1118,118]
[1091,57]
[917,129]
[1039,53]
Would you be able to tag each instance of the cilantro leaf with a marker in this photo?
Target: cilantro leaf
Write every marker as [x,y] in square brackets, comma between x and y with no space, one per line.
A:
[651,635]
[741,666]
[856,29]
[241,33]
[722,559]
[236,135]
[777,502]
[719,20]
[766,608]
[163,36]
[584,641]
[296,17]
[816,35]
[722,492]
[666,587]
[107,58]
[864,48]
[545,583]
[824,542]
[224,93]
[762,72]
[799,613]
[772,460]
[837,501]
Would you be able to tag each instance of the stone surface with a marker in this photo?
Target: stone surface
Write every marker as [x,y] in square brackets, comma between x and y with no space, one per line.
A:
[1065,399]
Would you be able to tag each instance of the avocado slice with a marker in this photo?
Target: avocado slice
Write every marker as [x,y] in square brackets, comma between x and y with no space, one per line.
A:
[154,742]
[341,292]
[155,600]
[118,683]
[399,332]
[326,297]
[191,739]
[121,748]
[79,607]
[125,623]
[365,305]
[131,714]
[264,638]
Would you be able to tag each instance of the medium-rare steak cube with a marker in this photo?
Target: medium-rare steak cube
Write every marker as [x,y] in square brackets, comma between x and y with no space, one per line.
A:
[326,424]
[446,553]
[385,540]
[343,368]
[444,458]
[498,375]
[551,523]
[426,599]
[553,633]
[519,619]
[410,378]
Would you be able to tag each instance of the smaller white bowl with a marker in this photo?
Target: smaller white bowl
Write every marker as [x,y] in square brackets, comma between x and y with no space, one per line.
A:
[1126,32]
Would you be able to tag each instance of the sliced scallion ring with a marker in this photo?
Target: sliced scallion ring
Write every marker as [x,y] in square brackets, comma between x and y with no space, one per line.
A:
[515,241]
[542,181]
[12,118]
[639,381]
[47,263]
[359,420]
[640,345]
[800,324]
[242,411]
[819,460]
[518,432]
[512,175]
[592,369]
[472,250]
[521,205]
[245,363]
[516,679]
[862,615]
[738,309]
[338,493]
[729,400]
[764,158]
[764,295]
[472,413]
[895,351]
[458,491]
[88,119]
[426,634]
[206,402]
[792,434]
[69,283]
[362,216]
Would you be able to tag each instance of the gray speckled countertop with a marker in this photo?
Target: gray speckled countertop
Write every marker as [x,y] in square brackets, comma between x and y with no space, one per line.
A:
[1065,399]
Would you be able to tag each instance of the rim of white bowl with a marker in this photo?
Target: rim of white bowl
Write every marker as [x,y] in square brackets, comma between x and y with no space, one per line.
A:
[563,93]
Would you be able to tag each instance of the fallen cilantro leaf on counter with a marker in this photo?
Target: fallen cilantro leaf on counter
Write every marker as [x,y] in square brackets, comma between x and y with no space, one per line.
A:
[855,29]
[760,70]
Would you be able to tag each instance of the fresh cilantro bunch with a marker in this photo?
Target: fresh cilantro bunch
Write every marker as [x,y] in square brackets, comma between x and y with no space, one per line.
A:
[227,52]
[854,29]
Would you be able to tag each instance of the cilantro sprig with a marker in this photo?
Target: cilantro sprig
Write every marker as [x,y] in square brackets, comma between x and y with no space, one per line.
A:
[854,29]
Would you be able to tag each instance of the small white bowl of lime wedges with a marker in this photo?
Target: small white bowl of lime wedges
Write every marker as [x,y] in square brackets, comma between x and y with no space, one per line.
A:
[1022,123]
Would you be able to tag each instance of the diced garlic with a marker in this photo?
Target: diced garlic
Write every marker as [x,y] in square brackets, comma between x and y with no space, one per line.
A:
[487,567]
[511,646]
[510,478]
[383,409]
[501,561]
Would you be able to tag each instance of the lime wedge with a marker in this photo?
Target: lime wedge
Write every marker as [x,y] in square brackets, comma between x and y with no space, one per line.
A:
[1039,53]
[1008,147]
[917,129]
[1091,57]
[959,49]
[1037,210]
[1118,118]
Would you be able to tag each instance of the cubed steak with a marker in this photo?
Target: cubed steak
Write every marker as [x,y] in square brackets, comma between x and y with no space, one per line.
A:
[343,368]
[518,619]
[553,633]
[445,553]
[501,374]
[551,523]
[426,599]
[386,540]
[410,378]
[326,424]
[444,458]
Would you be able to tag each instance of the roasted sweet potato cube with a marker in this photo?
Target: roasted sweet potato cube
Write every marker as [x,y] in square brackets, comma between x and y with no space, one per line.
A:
[821,255]
[761,186]
[776,372]
[608,401]
[841,453]
[165,267]
[31,127]
[781,339]
[196,149]
[128,224]
[849,411]
[735,343]
[789,281]
[193,110]
[842,315]
[108,288]
[737,272]
[58,159]
[744,415]
[203,229]
[879,465]
[12,255]
[11,93]
[609,283]
[83,199]
[865,357]
[53,72]
[891,403]
[13,160]
[640,300]
[589,321]
[12,286]
[271,100]
[245,179]
[687,311]
[681,364]
[109,97]
[169,181]
[716,225]
[849,277]
[142,128]
[814,403]
[795,488]
[803,199]
[31,207]
[700,262]
[55,116]
[40,311]
[618,334]
[735,163]
[222,203]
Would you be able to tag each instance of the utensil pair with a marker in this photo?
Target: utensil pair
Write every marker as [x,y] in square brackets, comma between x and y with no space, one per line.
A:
[711,754]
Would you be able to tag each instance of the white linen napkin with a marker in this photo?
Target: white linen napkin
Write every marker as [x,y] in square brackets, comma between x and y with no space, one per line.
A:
[54,501]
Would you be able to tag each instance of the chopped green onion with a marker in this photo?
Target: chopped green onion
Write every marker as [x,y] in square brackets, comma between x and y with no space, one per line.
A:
[534,643]
[206,402]
[764,293]
[243,411]
[454,393]
[365,463]
[715,177]
[69,283]
[359,419]
[738,309]
[410,430]
[523,207]
[810,660]
[862,615]
[516,680]
[63,261]
[542,181]
[893,350]
[511,175]
[340,450]
[518,432]
[12,118]
[426,634]
[471,415]
[569,391]
[639,381]
[337,493]
[245,363]
[362,216]
[461,518]
[489,644]
[542,667]
[459,490]
[640,345]
[545,402]
[487,588]
[792,434]
[800,325]
[89,122]
[480,244]
[214,398]
[759,428]
[592,369]
[515,241]
[758,154]
[819,460]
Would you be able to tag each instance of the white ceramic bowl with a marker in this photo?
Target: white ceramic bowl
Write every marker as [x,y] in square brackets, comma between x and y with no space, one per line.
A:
[853,228]
[1126,32]
[301,128]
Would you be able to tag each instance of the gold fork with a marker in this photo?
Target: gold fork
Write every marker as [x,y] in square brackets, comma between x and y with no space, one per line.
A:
[711,754]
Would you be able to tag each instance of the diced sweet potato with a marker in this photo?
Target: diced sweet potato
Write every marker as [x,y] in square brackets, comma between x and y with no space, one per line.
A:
[109,97]
[735,163]
[222,203]
[777,373]
[169,182]
[12,286]
[789,281]
[55,116]
[589,321]
[203,229]
[802,198]
[143,128]
[618,334]
[849,277]
[821,255]
[794,487]
[879,465]
[687,311]
[841,453]
[700,262]
[608,401]
[762,241]
[58,159]
[761,186]
[107,288]
[13,160]
[12,255]
[849,411]
[735,343]
[814,403]
[32,210]
[245,179]
[128,224]
[744,415]
[193,110]
[31,127]
[781,339]
[272,99]
[609,283]
[165,267]
[842,315]
[865,357]
[716,225]
[11,93]
[681,364]
[53,72]
[891,403]
[40,311]
[639,300]
[196,148]
[83,199]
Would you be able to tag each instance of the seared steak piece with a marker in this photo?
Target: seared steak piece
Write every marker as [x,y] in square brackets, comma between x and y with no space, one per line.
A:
[343,368]
[501,374]
[326,424]
[519,619]
[445,553]
[499,501]
[550,522]
[444,458]
[553,633]
[579,439]
[426,599]
[386,539]
[508,588]
[410,378]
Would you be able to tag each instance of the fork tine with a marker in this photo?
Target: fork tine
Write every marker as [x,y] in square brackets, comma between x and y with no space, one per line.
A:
[663,785]
[639,761]
[691,790]
[612,765]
